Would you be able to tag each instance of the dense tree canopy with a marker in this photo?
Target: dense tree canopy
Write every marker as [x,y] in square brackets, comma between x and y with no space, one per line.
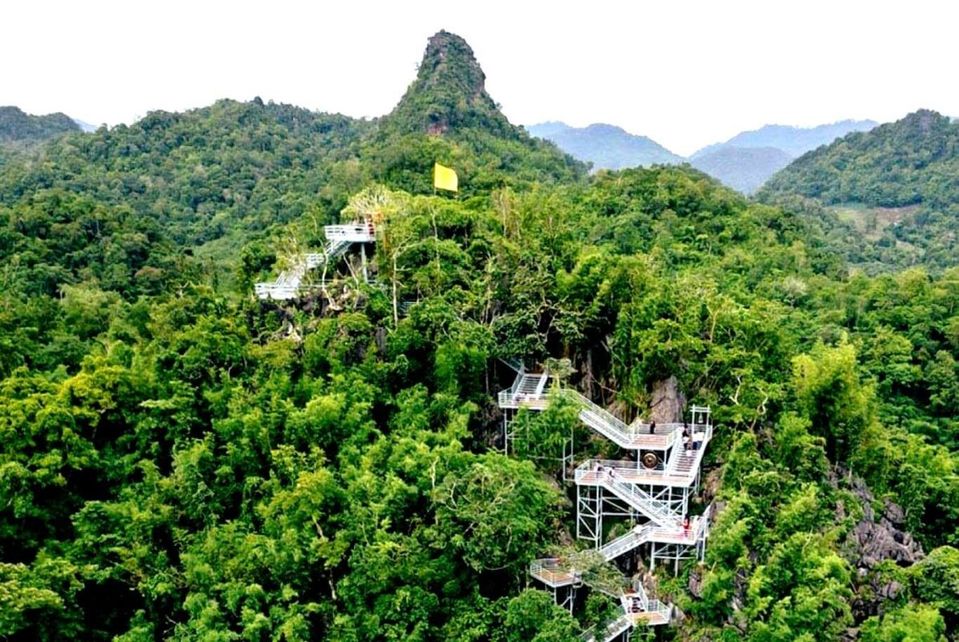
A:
[180,460]
[895,190]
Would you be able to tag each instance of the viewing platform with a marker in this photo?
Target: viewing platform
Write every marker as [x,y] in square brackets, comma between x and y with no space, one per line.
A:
[557,572]
[291,283]
[531,390]
[679,470]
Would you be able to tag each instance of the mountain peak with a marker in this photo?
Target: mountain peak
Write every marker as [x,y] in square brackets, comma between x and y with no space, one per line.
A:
[605,146]
[450,59]
[923,121]
[449,92]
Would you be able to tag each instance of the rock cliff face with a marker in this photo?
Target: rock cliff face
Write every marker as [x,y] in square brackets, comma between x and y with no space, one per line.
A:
[668,402]
[880,536]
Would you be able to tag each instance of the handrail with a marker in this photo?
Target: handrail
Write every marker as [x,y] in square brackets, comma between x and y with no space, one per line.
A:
[628,471]
[289,283]
[618,481]
[353,232]
[679,453]
[640,591]
[582,401]
[655,509]
[625,543]
[614,629]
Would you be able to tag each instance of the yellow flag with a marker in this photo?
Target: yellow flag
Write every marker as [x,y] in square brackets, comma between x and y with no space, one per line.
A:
[445,178]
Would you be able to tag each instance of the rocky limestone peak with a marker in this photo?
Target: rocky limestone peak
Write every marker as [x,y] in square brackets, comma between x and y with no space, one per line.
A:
[449,93]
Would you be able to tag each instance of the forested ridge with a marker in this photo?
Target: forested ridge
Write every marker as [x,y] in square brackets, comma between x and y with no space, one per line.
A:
[180,460]
[18,129]
[899,182]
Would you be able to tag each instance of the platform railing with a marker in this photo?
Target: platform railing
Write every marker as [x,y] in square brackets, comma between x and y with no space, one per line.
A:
[553,571]
[351,232]
[625,543]
[705,432]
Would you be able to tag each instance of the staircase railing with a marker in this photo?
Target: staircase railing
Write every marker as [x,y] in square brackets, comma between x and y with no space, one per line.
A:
[625,543]
[679,452]
[612,631]
[657,510]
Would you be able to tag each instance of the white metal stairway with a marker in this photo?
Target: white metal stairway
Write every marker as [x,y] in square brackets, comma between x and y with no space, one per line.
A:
[529,390]
[558,572]
[340,238]
[681,446]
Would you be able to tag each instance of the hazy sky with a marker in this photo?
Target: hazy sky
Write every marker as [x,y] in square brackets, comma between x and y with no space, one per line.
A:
[684,73]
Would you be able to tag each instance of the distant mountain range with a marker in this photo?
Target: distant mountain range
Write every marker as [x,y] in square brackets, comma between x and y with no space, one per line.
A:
[744,162]
[85,126]
[794,141]
[605,146]
[742,168]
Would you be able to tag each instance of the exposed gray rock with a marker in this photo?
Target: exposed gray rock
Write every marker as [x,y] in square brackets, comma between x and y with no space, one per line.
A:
[678,616]
[667,403]
[877,538]
[696,584]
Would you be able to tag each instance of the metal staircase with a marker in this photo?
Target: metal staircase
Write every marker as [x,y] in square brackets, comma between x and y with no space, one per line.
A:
[558,572]
[657,510]
[289,284]
[655,485]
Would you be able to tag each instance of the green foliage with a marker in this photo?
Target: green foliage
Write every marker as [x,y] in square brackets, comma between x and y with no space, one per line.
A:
[902,163]
[204,173]
[447,116]
[906,170]
[39,602]
[533,616]
[180,461]
[936,580]
[496,513]
[911,623]
[802,590]
[838,406]
[22,130]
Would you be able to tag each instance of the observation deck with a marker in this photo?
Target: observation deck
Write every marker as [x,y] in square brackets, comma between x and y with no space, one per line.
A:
[291,283]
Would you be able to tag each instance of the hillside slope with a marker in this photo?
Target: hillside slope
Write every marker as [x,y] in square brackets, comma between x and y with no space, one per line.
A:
[911,161]
[205,172]
[910,167]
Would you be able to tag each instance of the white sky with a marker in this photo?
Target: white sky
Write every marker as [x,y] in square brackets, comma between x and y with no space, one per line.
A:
[686,73]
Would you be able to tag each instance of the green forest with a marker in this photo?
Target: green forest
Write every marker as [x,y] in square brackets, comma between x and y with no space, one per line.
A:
[906,172]
[181,460]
